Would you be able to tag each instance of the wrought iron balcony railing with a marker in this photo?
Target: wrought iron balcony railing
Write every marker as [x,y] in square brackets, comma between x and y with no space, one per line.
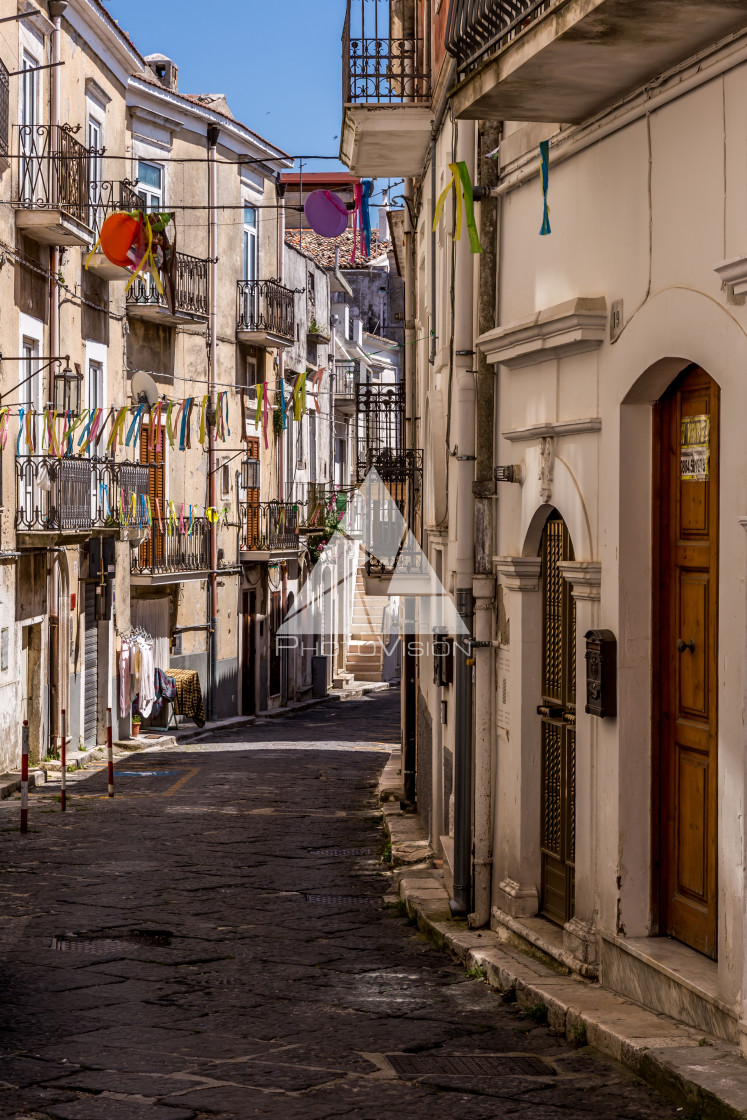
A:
[108,196]
[190,294]
[383,59]
[265,307]
[381,424]
[169,551]
[53,170]
[75,495]
[4,109]
[345,383]
[477,28]
[270,525]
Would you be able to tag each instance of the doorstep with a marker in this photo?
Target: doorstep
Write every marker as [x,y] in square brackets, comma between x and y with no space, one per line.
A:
[704,1074]
[671,978]
[544,937]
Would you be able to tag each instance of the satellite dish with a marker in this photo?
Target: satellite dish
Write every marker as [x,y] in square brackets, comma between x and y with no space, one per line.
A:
[144,389]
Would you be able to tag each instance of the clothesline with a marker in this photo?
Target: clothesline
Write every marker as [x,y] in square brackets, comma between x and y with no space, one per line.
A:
[162,422]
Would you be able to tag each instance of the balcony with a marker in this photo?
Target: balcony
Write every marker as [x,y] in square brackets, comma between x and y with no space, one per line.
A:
[265,313]
[380,426]
[269,529]
[168,556]
[347,375]
[184,301]
[386,92]
[107,197]
[69,499]
[52,188]
[564,60]
[4,116]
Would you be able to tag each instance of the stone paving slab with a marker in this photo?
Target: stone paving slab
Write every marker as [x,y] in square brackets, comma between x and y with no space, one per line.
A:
[280,980]
[708,1077]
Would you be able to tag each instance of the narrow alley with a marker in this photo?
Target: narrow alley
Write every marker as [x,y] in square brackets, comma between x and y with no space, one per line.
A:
[214,942]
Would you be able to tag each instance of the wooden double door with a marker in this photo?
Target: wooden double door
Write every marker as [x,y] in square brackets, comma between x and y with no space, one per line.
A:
[686,549]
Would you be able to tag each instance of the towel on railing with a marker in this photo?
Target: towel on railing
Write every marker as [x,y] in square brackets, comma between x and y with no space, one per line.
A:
[188,700]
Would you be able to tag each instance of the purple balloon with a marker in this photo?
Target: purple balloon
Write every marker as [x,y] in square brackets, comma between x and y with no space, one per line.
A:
[326,213]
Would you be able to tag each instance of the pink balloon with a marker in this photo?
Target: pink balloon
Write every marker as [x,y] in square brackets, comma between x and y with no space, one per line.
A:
[326,213]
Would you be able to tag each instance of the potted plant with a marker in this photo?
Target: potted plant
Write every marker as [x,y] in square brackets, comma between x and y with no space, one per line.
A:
[137,719]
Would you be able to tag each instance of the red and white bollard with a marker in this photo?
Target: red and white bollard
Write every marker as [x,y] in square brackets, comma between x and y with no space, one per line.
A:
[110,751]
[25,777]
[63,762]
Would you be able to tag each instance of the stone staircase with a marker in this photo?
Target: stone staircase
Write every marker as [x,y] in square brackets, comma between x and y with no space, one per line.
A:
[365,655]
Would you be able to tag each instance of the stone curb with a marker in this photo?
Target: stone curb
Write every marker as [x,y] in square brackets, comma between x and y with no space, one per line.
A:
[707,1076]
[11,783]
[76,759]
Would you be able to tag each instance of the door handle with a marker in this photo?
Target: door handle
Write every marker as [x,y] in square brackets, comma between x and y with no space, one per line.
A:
[682,646]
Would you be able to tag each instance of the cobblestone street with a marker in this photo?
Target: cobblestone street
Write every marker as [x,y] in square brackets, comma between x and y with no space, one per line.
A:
[213,942]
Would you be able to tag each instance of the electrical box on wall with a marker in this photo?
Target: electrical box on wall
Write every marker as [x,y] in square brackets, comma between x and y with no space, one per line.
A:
[601,673]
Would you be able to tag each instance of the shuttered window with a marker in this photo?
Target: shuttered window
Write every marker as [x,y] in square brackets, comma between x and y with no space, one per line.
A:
[252,493]
[154,548]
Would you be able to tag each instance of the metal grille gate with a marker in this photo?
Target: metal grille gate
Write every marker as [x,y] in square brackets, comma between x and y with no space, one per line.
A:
[558,727]
[91,676]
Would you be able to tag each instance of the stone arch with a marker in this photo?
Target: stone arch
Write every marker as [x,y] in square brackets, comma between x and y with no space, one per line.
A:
[567,499]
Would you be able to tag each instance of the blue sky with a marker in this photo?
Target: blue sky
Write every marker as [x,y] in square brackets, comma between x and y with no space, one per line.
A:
[278,63]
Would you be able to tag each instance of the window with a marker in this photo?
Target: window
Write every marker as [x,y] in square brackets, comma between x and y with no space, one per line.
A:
[250,252]
[150,185]
[29,91]
[248,376]
[312,447]
[95,140]
[300,457]
[225,480]
[29,118]
[95,385]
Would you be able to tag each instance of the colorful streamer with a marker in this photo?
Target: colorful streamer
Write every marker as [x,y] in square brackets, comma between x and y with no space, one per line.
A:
[545,169]
[462,185]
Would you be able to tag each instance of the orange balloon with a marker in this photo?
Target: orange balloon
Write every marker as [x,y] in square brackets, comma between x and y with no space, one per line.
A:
[118,234]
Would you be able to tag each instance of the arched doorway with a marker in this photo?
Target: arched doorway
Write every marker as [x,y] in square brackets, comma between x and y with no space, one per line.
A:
[557,710]
[685,569]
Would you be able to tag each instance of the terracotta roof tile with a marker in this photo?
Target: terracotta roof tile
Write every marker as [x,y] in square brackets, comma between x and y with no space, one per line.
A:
[321,250]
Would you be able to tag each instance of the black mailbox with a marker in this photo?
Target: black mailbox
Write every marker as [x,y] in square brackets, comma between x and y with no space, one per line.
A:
[601,673]
[443,658]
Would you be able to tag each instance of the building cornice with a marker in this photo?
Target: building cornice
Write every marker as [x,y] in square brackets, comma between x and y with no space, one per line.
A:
[182,113]
[584,576]
[572,327]
[518,573]
[587,424]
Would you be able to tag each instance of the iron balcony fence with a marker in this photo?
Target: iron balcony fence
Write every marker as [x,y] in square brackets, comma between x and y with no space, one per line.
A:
[380,424]
[477,28]
[383,58]
[266,306]
[168,551]
[75,495]
[107,196]
[53,170]
[345,382]
[190,288]
[4,108]
[326,501]
[270,525]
